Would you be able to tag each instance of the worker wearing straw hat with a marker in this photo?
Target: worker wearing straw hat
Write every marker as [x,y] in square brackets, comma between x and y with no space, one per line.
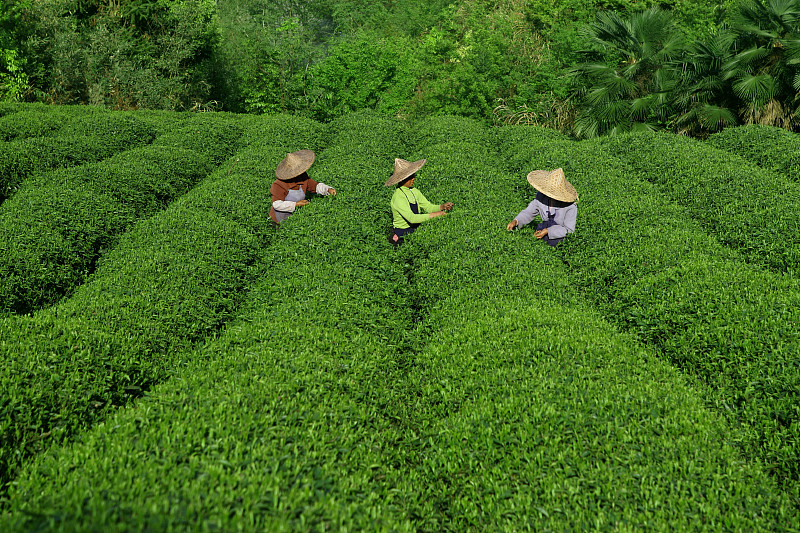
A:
[289,189]
[410,208]
[555,204]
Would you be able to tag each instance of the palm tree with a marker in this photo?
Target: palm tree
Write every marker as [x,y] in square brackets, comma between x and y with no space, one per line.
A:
[629,84]
[764,73]
[705,98]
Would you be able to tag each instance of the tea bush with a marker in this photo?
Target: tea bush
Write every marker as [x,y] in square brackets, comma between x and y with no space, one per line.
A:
[8,108]
[61,223]
[458,383]
[54,231]
[211,134]
[747,208]
[769,147]
[525,389]
[82,143]
[315,378]
[24,122]
[170,281]
[295,388]
[656,273]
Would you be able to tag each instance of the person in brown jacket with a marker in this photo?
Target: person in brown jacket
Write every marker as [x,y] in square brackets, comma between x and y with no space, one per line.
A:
[293,182]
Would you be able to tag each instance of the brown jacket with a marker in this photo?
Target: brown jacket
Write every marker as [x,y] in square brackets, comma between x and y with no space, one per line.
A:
[281,188]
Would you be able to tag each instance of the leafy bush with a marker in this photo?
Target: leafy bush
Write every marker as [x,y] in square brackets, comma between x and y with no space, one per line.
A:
[56,228]
[523,385]
[289,131]
[771,148]
[365,72]
[654,272]
[215,135]
[299,335]
[171,280]
[747,208]
[461,382]
[30,122]
[78,139]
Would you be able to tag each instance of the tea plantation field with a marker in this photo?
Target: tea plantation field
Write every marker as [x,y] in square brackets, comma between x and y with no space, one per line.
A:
[170,362]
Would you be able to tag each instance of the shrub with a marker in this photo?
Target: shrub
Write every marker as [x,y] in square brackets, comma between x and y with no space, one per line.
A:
[80,142]
[54,231]
[172,280]
[435,376]
[299,335]
[656,273]
[771,148]
[747,208]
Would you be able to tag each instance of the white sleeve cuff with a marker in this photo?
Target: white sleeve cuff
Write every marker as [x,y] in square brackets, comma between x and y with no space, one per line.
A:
[284,205]
[322,189]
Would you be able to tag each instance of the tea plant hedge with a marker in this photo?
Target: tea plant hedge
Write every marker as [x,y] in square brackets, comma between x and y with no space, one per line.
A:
[528,390]
[8,108]
[20,159]
[769,147]
[171,280]
[299,382]
[657,274]
[747,208]
[460,383]
[36,121]
[53,231]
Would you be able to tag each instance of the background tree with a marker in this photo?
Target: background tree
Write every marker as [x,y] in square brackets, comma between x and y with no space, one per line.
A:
[498,60]
[705,98]
[122,54]
[13,80]
[764,73]
[629,82]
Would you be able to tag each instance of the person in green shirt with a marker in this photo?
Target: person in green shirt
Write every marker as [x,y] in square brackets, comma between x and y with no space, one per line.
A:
[410,208]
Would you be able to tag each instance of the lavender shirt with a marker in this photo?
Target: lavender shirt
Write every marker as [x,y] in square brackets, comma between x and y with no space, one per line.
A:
[562,219]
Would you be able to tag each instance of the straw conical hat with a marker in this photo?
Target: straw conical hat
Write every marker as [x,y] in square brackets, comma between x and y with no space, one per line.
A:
[403,169]
[294,164]
[553,184]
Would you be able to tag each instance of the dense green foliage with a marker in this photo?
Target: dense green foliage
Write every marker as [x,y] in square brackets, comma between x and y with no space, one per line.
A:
[41,141]
[688,65]
[747,208]
[769,147]
[658,272]
[214,373]
[172,279]
[80,212]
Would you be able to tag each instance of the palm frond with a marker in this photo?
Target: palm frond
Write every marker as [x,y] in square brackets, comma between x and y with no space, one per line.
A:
[756,89]
[586,126]
[642,127]
[613,112]
[751,55]
[714,118]
[640,107]
[792,49]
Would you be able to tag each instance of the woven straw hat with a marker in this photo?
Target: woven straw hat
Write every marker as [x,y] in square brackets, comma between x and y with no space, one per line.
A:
[294,164]
[403,169]
[553,184]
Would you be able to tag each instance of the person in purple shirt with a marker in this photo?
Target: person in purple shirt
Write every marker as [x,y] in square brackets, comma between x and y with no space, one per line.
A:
[555,204]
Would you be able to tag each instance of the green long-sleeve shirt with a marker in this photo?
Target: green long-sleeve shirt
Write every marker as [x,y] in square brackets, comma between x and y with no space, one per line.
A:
[402,216]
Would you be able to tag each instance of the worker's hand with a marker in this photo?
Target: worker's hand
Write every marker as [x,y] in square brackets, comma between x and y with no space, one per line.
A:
[541,233]
[332,191]
[511,225]
[302,203]
[437,214]
[446,206]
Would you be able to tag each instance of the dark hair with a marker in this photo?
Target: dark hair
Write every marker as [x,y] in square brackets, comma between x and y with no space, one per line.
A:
[408,178]
[546,200]
[298,178]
